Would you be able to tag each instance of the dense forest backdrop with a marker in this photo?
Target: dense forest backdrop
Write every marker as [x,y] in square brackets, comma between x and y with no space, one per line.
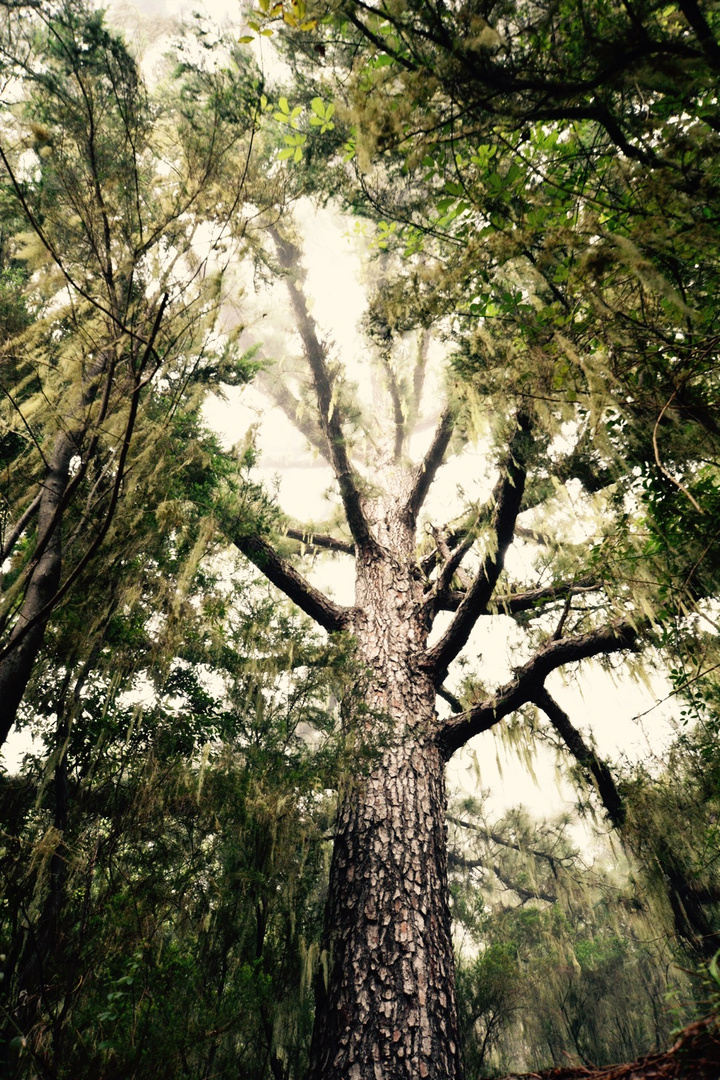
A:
[222,848]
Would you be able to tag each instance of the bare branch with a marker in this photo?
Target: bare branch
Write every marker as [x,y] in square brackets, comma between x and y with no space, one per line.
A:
[442,597]
[528,681]
[432,461]
[330,419]
[508,498]
[483,515]
[313,540]
[456,536]
[332,617]
[539,598]
[514,603]
[585,756]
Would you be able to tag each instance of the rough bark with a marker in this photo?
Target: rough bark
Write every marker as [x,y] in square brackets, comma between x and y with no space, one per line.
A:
[388,1008]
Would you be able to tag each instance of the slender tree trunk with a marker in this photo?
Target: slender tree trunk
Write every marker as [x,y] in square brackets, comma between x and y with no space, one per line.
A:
[27,636]
[385,994]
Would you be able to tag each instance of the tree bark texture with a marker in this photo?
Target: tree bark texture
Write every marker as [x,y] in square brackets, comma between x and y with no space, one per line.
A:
[389,1008]
[385,996]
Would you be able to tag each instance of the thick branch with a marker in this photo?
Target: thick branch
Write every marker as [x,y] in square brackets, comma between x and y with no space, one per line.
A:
[332,617]
[432,461]
[508,498]
[528,681]
[584,755]
[330,419]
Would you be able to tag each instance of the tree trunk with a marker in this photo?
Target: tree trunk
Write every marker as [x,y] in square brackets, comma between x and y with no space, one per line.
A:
[385,991]
[389,1006]
[28,633]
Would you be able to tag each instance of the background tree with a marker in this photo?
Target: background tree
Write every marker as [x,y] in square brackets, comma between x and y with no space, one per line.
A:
[110,331]
[387,911]
[169,921]
[560,957]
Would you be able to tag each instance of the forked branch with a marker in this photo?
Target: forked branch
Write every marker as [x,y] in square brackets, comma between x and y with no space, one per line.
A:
[529,681]
[508,498]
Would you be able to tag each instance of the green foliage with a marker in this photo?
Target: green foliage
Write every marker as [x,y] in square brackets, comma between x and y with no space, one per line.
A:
[563,238]
[168,881]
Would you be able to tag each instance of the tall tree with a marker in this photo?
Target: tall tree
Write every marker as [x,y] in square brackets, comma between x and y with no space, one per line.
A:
[385,995]
[111,333]
[385,986]
[563,958]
